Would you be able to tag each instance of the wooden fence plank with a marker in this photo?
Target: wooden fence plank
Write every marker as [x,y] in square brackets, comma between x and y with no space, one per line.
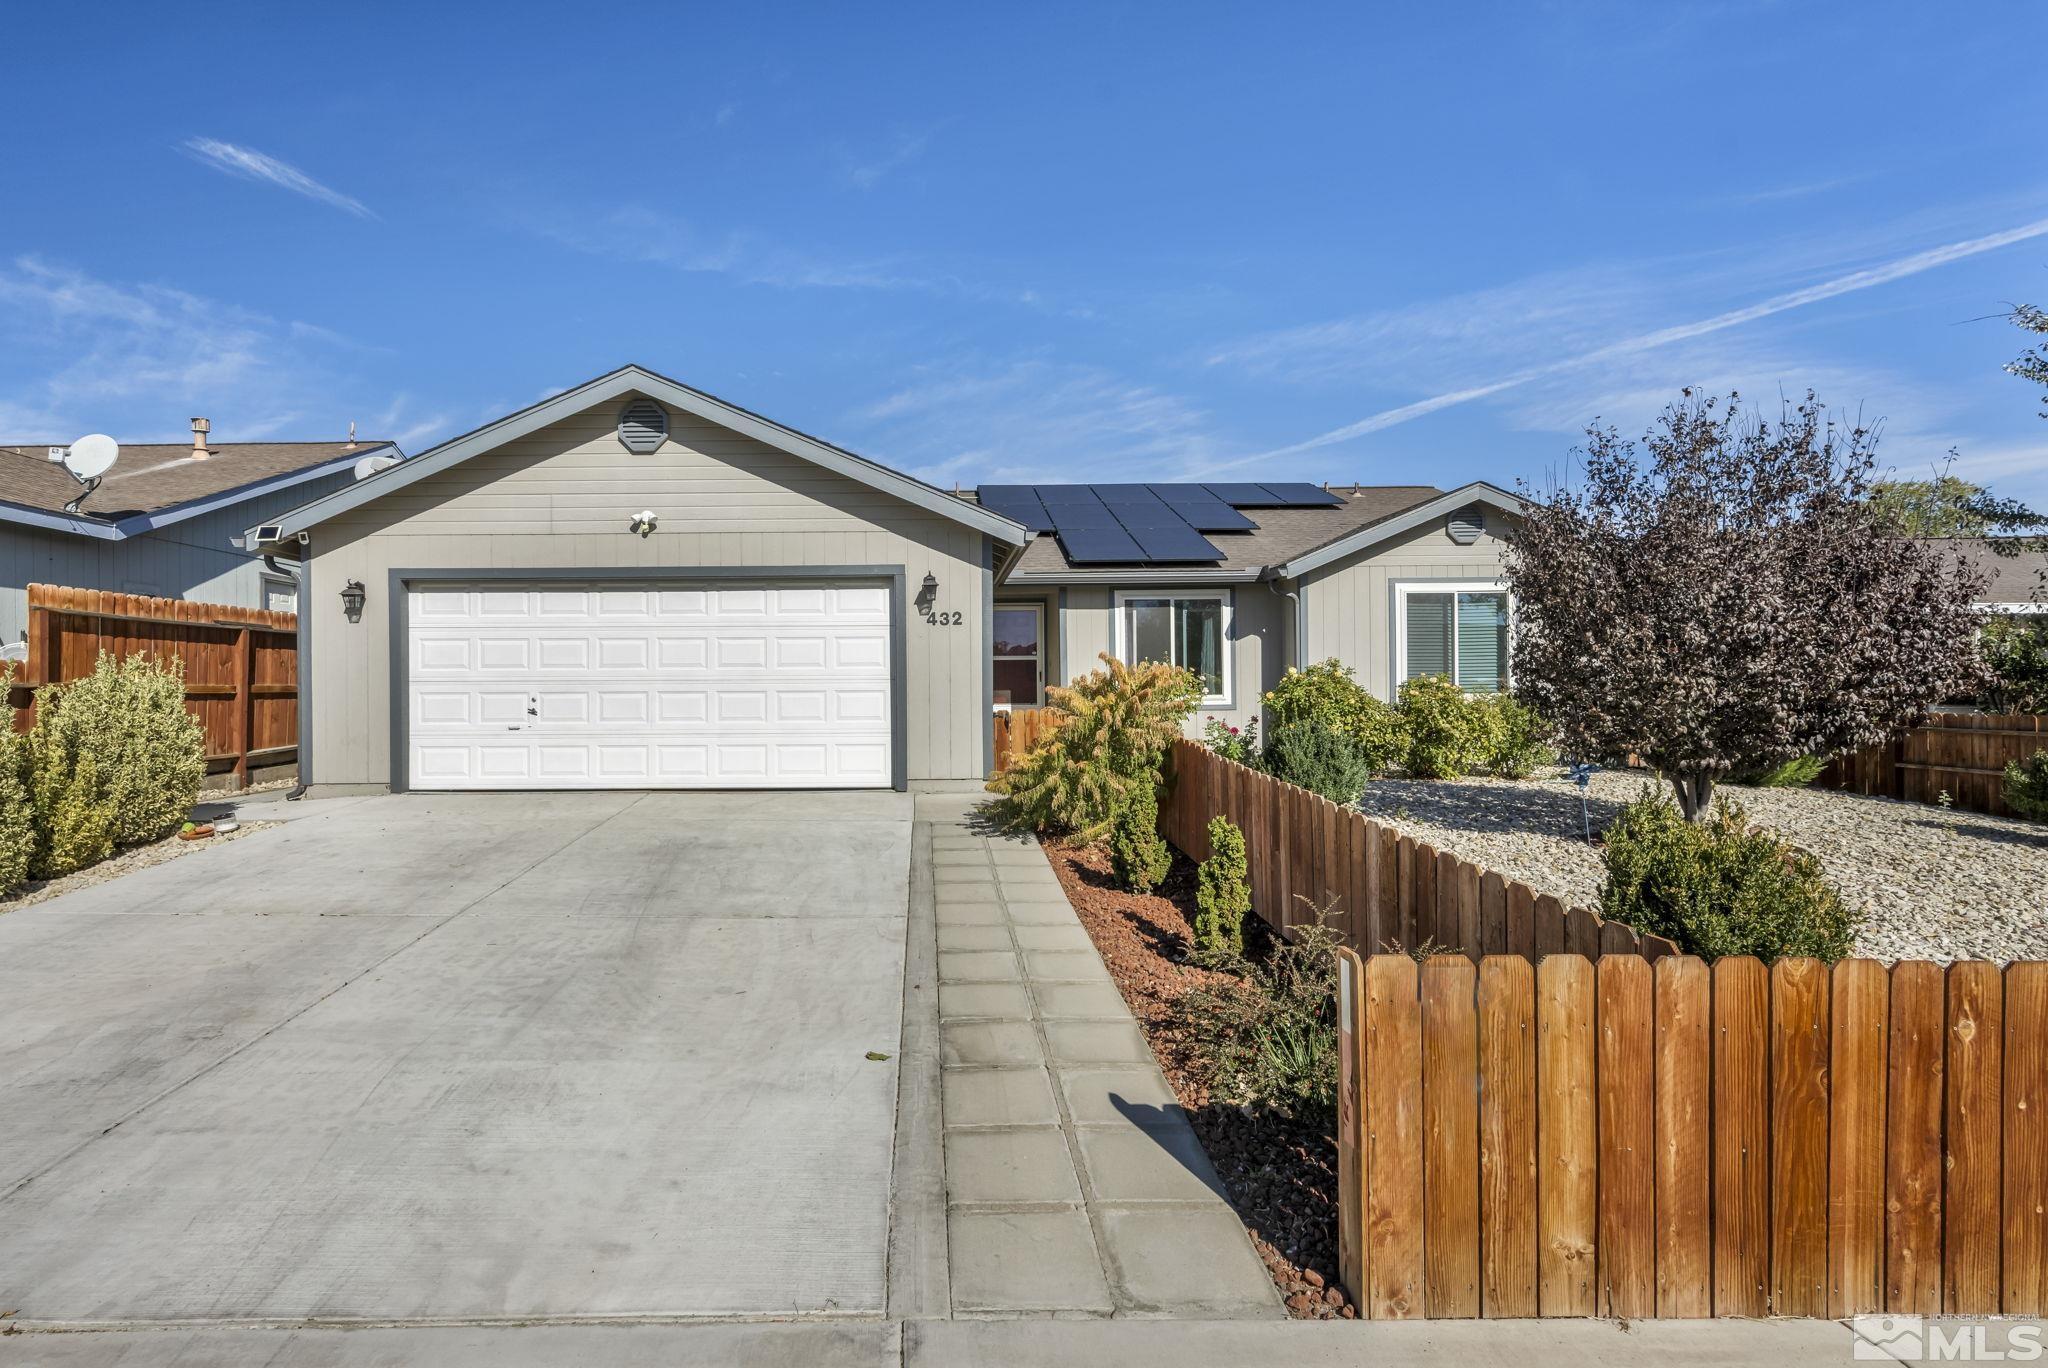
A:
[1550,936]
[1627,1120]
[2026,1139]
[1507,1136]
[1566,1137]
[1741,1138]
[1856,1073]
[1469,936]
[1393,1104]
[1913,1141]
[1974,1118]
[1522,921]
[1350,1122]
[1684,1069]
[1493,914]
[1450,1120]
[1799,1137]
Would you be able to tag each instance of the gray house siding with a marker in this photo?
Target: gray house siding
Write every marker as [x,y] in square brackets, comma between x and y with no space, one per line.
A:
[1258,623]
[195,559]
[1348,606]
[560,498]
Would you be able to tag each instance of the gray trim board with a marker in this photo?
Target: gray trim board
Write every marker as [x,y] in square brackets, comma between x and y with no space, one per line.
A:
[1066,669]
[305,666]
[401,580]
[988,659]
[1477,492]
[639,380]
[1139,575]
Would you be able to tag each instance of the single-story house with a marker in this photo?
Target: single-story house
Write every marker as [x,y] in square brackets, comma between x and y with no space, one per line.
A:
[634,584]
[2015,573]
[165,521]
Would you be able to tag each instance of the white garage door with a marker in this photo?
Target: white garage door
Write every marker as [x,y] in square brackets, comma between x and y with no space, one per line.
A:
[768,685]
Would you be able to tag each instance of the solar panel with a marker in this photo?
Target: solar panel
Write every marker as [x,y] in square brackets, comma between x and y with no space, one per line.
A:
[1202,510]
[1081,515]
[1303,496]
[1244,495]
[1181,543]
[1099,546]
[1019,503]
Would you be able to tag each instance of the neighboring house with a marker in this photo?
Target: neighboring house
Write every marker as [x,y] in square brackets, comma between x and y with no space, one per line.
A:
[165,521]
[2015,582]
[1394,581]
[636,585]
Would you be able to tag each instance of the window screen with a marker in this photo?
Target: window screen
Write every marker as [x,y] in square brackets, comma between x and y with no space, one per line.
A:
[1482,641]
[1429,635]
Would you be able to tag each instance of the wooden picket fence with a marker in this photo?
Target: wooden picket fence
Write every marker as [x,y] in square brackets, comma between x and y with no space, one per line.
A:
[1018,730]
[1961,754]
[241,664]
[1627,1138]
[1391,890]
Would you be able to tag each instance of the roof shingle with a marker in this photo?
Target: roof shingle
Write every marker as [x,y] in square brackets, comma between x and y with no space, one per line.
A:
[152,478]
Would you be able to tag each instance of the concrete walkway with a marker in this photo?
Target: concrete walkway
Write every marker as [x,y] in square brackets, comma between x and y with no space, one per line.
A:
[1074,1183]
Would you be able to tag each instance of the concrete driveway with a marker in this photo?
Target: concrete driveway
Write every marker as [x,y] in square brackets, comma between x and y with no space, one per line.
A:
[426,1057]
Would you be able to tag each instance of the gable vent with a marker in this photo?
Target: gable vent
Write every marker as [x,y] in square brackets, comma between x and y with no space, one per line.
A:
[1465,524]
[643,424]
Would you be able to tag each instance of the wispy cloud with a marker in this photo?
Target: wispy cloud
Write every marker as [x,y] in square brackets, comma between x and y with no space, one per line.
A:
[1033,419]
[1898,268]
[249,164]
[78,353]
[866,170]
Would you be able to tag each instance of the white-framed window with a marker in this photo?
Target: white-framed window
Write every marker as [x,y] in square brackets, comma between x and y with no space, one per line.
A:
[1189,628]
[1020,655]
[280,595]
[1454,628]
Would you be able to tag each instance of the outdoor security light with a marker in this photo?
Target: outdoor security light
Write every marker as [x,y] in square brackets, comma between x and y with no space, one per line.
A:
[928,595]
[352,598]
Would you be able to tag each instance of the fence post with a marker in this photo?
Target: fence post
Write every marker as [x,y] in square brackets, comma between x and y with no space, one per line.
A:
[245,704]
[1350,1123]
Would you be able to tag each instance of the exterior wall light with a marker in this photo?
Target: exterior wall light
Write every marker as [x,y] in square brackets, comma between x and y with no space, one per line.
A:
[643,523]
[352,599]
[928,595]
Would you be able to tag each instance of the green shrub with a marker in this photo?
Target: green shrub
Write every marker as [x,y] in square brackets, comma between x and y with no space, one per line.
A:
[1517,738]
[1223,893]
[17,813]
[2026,786]
[1449,732]
[1720,887]
[2015,651]
[1137,853]
[1269,1035]
[114,759]
[1318,758]
[1797,772]
[1328,695]
[1113,728]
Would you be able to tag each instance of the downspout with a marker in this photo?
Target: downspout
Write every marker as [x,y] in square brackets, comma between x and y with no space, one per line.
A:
[272,564]
[1294,653]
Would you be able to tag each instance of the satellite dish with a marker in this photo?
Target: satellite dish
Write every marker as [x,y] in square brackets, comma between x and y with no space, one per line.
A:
[370,465]
[91,456]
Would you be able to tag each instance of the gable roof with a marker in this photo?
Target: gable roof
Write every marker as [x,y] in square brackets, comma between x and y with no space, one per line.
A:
[1285,538]
[157,484]
[616,384]
[1405,520]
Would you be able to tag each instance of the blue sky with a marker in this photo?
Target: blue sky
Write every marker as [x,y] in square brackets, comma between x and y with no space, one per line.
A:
[1392,244]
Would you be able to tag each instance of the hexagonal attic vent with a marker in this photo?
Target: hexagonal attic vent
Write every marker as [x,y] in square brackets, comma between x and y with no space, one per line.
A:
[643,424]
[1465,524]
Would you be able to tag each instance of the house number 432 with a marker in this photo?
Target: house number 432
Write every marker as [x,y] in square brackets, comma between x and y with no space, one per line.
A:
[940,619]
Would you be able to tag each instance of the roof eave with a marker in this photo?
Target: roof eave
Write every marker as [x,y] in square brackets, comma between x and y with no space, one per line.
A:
[638,379]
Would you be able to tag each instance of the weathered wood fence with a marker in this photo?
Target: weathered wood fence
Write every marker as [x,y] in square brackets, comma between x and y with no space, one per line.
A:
[241,664]
[1018,730]
[1391,889]
[1628,1138]
[1961,754]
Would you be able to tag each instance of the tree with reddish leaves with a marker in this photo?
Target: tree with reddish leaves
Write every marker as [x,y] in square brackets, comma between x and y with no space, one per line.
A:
[1731,598]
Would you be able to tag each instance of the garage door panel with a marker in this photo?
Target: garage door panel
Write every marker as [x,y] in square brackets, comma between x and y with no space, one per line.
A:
[557,687]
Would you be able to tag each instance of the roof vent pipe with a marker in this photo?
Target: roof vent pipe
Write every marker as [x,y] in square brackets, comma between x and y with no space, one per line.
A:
[200,427]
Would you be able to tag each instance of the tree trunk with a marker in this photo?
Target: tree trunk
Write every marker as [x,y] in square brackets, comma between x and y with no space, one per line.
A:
[1695,795]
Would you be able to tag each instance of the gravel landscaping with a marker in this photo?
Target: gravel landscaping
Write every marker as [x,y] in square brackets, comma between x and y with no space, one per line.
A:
[1932,884]
[120,863]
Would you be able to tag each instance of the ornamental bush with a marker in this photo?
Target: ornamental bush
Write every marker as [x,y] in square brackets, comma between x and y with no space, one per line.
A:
[1138,854]
[17,814]
[1517,739]
[1318,758]
[1112,728]
[1223,893]
[1720,887]
[1326,694]
[114,759]
[2026,786]
[1233,743]
[1449,733]
[2015,651]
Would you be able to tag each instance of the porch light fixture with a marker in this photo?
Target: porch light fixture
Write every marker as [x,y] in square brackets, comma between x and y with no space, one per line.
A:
[929,594]
[352,599]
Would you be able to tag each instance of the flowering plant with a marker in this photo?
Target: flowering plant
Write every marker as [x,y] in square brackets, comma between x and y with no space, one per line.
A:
[1232,743]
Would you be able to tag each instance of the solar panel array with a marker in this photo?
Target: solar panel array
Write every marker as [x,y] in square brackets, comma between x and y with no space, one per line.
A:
[1117,524]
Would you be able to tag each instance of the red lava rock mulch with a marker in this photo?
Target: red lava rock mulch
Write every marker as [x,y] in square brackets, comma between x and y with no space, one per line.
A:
[1280,1171]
